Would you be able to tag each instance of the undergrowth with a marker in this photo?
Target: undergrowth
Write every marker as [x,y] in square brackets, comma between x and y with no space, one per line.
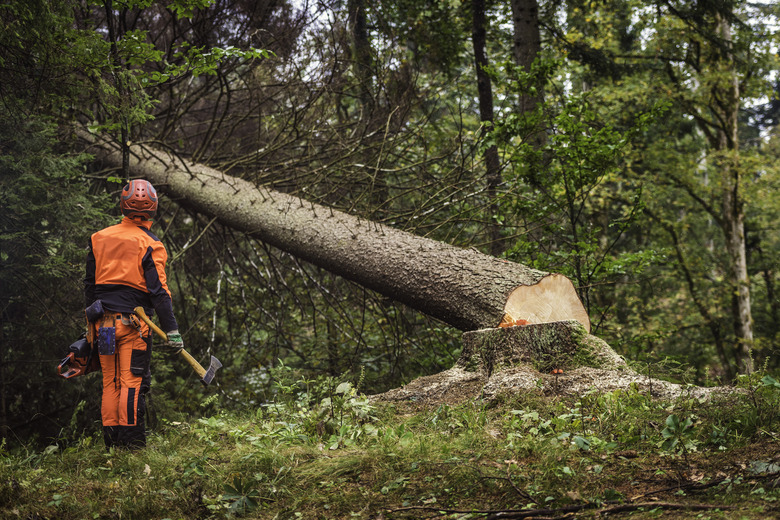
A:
[322,450]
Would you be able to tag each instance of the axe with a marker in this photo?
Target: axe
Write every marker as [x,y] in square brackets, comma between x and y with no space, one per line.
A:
[206,376]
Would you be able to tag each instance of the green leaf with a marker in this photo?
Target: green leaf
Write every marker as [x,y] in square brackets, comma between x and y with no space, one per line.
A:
[582,443]
[770,381]
[343,388]
[186,8]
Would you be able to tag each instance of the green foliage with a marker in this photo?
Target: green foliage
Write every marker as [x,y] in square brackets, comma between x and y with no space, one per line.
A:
[186,8]
[678,434]
[196,61]
[526,454]
[46,220]
[624,193]
[129,64]
[573,217]
[770,381]
[242,495]
[432,29]
[326,410]
[612,196]
[42,55]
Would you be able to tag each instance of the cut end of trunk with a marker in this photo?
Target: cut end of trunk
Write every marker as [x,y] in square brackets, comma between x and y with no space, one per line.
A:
[552,299]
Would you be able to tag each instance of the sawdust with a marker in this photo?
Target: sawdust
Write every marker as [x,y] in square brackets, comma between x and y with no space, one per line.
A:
[465,381]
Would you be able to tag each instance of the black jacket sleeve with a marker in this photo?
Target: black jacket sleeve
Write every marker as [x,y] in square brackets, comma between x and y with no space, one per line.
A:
[89,278]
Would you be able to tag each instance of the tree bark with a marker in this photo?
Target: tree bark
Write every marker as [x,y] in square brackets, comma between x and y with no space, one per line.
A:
[733,204]
[461,287]
[718,71]
[119,83]
[485,93]
[561,345]
[554,359]
[526,48]
[526,45]
[361,53]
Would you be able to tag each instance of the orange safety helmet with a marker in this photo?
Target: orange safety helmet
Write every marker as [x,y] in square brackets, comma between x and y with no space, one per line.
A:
[139,199]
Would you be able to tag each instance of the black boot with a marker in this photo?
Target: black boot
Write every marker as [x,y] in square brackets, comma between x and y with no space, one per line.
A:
[110,436]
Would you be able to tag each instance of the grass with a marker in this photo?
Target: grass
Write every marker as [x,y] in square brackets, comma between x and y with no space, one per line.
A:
[622,454]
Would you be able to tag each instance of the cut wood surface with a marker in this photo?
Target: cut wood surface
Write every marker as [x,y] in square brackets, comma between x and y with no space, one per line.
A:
[552,299]
[461,287]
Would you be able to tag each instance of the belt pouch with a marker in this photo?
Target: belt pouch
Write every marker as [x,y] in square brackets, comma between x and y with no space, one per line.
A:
[95,311]
[107,341]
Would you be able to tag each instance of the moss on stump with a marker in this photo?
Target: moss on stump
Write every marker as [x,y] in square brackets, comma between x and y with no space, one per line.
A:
[546,346]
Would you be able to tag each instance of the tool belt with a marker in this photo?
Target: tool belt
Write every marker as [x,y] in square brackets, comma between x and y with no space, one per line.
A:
[99,339]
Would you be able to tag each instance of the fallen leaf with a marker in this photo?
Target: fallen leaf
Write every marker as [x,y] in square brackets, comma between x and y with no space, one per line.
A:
[629,454]
[697,476]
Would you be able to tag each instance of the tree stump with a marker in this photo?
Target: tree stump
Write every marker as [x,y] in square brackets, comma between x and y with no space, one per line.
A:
[558,358]
[558,345]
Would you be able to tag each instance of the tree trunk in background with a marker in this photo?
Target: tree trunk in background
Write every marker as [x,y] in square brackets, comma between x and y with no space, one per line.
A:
[526,45]
[362,65]
[362,61]
[461,287]
[733,213]
[118,79]
[716,74]
[485,92]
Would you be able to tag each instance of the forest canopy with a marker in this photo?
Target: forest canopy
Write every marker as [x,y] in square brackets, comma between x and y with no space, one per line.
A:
[631,146]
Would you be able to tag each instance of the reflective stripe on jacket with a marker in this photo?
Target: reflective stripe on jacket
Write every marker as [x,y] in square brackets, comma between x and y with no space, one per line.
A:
[126,268]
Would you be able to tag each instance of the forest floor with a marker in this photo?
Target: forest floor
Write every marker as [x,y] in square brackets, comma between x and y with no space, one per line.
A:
[332,453]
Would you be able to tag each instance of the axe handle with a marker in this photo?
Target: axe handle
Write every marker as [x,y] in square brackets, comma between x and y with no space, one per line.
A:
[186,355]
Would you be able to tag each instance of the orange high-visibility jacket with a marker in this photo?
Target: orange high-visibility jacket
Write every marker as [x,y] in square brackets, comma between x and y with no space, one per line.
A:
[126,268]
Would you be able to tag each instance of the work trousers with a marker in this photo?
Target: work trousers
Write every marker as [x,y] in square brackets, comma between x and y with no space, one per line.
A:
[126,380]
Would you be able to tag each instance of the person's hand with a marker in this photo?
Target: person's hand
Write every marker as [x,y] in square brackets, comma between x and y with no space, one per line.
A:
[175,341]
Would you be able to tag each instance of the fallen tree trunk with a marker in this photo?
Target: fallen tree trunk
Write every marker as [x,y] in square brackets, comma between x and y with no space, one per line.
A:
[461,287]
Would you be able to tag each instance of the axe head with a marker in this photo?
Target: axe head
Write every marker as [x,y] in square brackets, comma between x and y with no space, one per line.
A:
[215,365]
